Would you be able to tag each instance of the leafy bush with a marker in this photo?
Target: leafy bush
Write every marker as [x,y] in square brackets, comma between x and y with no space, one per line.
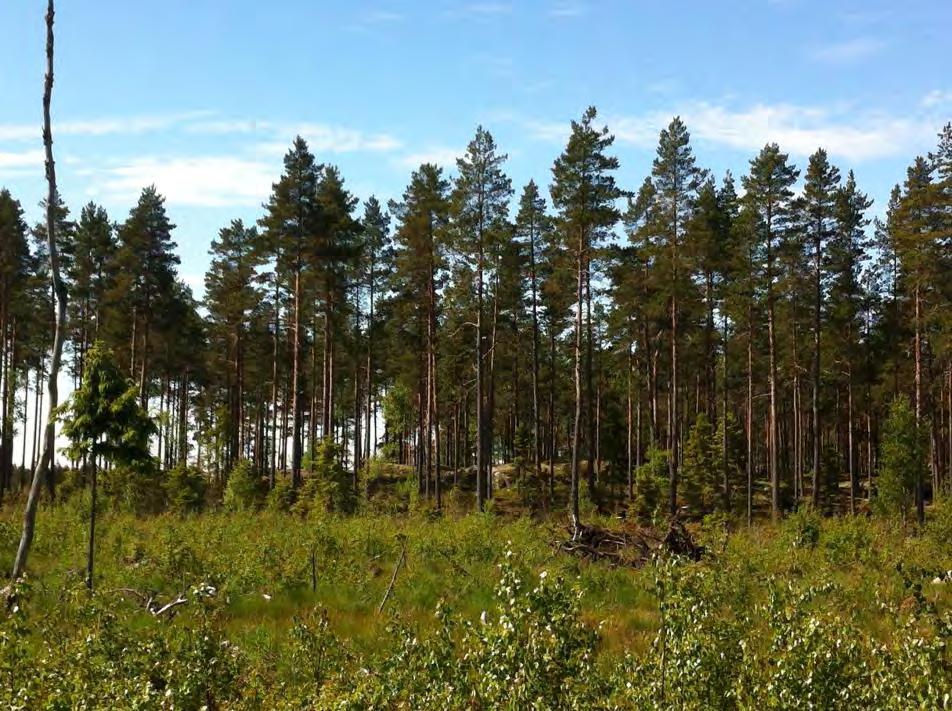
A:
[698,472]
[902,459]
[107,663]
[185,489]
[736,453]
[282,497]
[847,541]
[774,619]
[532,651]
[136,488]
[802,528]
[695,657]
[649,483]
[328,487]
[244,490]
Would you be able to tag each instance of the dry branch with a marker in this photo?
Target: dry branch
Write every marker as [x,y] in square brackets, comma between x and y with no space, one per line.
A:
[631,547]
[393,578]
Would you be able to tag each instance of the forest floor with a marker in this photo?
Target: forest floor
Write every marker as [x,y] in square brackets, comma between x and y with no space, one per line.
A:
[391,567]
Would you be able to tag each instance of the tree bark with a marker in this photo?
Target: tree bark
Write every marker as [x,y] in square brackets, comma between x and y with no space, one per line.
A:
[817,299]
[59,288]
[535,351]
[574,512]
[920,494]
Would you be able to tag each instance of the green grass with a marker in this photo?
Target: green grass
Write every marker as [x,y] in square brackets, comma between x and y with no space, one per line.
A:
[261,565]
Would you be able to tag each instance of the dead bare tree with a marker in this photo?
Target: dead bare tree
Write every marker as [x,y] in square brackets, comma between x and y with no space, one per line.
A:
[59,288]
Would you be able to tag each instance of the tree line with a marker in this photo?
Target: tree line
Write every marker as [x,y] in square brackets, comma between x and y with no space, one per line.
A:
[740,339]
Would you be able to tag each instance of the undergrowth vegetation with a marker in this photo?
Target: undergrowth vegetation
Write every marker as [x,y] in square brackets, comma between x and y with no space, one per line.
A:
[270,610]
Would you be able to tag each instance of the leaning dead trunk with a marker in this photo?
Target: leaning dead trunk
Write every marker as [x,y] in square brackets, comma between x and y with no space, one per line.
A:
[574,512]
[59,289]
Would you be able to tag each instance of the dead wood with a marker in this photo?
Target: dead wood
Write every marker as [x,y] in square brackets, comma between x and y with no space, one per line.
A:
[631,546]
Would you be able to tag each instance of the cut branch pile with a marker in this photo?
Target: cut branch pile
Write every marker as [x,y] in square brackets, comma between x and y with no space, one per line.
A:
[630,547]
[153,605]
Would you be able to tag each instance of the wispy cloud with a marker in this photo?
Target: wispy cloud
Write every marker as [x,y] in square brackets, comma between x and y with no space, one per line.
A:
[803,129]
[23,159]
[104,126]
[222,126]
[488,8]
[478,10]
[798,129]
[375,20]
[937,98]
[552,131]
[380,16]
[205,181]
[441,156]
[240,178]
[567,9]
[275,136]
[195,282]
[324,138]
[851,50]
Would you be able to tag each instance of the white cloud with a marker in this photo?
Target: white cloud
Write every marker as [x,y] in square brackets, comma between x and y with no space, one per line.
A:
[322,138]
[848,51]
[554,131]
[802,129]
[488,8]
[567,9]
[25,159]
[206,181]
[481,10]
[799,130]
[937,98]
[195,282]
[227,126]
[375,17]
[441,156]
[104,126]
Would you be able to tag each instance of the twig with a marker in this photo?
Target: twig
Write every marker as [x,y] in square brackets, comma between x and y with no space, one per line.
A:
[459,568]
[393,578]
[313,569]
[168,607]
[150,604]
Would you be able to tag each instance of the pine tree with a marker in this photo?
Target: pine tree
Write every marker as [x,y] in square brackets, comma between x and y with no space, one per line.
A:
[818,205]
[903,459]
[376,259]
[104,422]
[91,276]
[768,196]
[44,464]
[584,193]
[291,224]
[420,243]
[699,466]
[480,216]
[846,252]
[334,253]
[144,285]
[676,179]
[14,314]
[918,249]
[232,296]
[531,225]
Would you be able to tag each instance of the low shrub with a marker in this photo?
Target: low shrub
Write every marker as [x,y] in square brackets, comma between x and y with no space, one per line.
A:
[185,489]
[244,490]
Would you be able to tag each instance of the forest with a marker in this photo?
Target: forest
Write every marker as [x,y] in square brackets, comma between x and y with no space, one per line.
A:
[687,437]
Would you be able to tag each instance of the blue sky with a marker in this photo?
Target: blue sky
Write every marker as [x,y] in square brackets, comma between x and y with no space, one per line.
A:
[203,98]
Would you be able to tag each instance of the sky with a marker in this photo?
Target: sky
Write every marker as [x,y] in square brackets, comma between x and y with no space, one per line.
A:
[203,98]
